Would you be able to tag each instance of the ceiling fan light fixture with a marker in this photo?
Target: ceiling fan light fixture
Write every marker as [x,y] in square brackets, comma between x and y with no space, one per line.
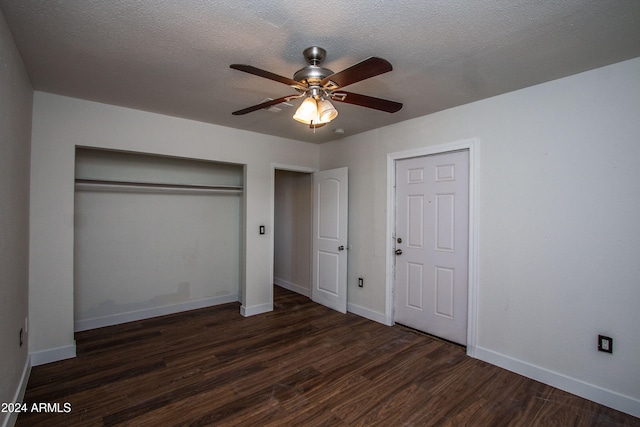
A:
[307,112]
[317,85]
[326,111]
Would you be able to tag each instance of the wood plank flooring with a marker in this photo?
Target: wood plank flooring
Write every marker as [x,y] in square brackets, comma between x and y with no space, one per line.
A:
[300,365]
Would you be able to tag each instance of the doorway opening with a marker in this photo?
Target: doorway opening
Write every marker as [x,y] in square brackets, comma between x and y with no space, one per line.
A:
[292,222]
[310,233]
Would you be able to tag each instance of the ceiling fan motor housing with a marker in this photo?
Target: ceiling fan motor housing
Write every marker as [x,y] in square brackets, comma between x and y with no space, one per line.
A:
[314,55]
[313,74]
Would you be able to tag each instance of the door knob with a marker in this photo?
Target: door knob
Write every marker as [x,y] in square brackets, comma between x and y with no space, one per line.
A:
[398,251]
[341,248]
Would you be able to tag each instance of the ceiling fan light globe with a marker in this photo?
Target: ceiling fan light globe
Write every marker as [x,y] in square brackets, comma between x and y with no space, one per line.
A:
[326,111]
[307,111]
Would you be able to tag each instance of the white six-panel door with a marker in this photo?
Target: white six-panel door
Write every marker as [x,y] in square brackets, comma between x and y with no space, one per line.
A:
[432,249]
[330,215]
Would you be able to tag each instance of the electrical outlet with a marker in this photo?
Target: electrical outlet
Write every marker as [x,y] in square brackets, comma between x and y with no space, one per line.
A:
[605,344]
[360,282]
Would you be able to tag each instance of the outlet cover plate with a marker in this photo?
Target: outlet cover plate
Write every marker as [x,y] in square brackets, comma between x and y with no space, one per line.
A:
[605,344]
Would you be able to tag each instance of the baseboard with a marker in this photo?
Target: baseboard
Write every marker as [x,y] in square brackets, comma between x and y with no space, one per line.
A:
[292,287]
[256,309]
[367,313]
[53,355]
[116,319]
[591,392]
[11,417]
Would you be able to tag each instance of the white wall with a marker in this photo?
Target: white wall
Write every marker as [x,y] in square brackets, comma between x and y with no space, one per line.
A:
[107,165]
[16,99]
[559,235]
[292,231]
[141,254]
[60,124]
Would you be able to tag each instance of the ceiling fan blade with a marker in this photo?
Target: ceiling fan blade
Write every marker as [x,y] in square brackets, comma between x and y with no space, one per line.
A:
[366,101]
[368,68]
[267,75]
[265,105]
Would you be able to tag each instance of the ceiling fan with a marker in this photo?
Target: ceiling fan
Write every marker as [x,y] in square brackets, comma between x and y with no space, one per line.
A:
[318,85]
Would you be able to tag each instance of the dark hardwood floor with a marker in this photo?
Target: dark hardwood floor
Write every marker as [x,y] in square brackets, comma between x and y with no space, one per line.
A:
[300,365]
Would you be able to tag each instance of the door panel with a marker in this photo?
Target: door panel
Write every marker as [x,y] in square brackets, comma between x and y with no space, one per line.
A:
[445,222]
[330,215]
[414,283]
[445,292]
[415,223]
[329,267]
[432,211]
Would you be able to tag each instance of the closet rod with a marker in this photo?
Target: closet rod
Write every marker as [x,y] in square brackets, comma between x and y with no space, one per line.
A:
[92,184]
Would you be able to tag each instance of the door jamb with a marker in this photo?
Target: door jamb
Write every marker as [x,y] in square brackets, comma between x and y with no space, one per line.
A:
[472,280]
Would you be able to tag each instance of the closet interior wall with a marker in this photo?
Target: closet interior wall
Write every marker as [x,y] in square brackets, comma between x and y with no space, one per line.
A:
[153,235]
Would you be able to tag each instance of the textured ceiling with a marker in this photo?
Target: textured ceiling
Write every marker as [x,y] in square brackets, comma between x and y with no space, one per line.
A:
[173,57]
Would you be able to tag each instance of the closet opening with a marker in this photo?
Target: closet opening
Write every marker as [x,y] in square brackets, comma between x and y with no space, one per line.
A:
[154,235]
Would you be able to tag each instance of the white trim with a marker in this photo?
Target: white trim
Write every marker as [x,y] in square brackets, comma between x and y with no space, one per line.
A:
[256,309]
[53,355]
[591,392]
[367,313]
[12,417]
[299,289]
[472,146]
[131,316]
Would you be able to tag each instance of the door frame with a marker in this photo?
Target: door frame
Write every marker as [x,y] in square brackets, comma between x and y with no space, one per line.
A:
[472,297]
[272,198]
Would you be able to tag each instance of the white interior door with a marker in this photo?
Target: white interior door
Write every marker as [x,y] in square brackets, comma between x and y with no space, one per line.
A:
[432,244]
[330,214]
